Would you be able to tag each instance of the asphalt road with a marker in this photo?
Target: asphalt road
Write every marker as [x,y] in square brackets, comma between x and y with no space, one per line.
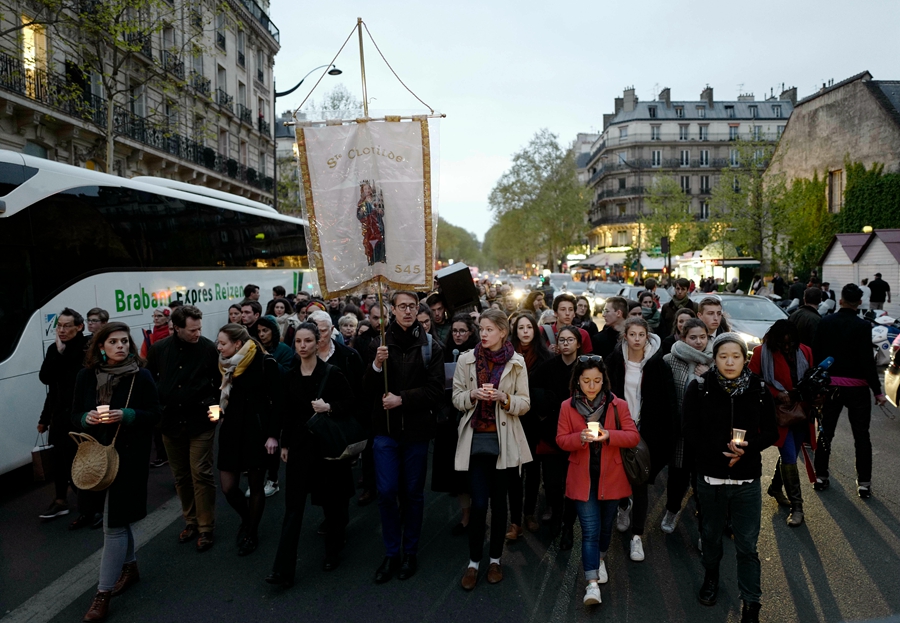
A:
[842,565]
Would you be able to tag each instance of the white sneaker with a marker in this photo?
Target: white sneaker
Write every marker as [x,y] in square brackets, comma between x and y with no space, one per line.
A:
[592,594]
[602,575]
[271,488]
[670,521]
[623,517]
[247,493]
[637,549]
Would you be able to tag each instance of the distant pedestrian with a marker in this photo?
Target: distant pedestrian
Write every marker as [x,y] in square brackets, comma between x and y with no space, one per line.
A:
[96,318]
[681,316]
[250,313]
[796,290]
[806,317]
[114,377]
[880,292]
[614,311]
[234,314]
[864,304]
[680,300]
[583,313]
[710,312]
[778,285]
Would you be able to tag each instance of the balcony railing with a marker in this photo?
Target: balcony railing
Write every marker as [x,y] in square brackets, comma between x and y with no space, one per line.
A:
[245,114]
[263,126]
[172,64]
[200,84]
[55,91]
[599,218]
[260,16]
[224,100]
[620,192]
[261,76]
[141,41]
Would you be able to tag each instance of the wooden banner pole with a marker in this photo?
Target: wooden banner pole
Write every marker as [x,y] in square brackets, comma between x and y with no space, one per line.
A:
[362,67]
[381,323]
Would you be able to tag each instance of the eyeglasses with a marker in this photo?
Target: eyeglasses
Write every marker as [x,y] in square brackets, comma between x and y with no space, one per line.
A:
[93,320]
[567,340]
[587,358]
[407,307]
[459,331]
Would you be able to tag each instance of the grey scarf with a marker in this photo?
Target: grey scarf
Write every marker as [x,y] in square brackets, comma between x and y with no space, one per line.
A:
[109,376]
[767,367]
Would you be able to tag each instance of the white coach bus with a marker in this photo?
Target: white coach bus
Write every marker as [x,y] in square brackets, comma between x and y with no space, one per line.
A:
[81,239]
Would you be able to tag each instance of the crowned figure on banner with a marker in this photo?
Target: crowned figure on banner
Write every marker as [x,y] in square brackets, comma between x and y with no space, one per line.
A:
[370,212]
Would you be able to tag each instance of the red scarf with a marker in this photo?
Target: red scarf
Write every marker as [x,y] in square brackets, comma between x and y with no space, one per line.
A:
[489,368]
[527,352]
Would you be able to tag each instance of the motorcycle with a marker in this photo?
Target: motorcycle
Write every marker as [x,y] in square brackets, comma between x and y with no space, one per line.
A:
[885,330]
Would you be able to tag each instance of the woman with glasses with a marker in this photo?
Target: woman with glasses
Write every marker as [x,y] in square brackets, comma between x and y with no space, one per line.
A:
[535,352]
[550,383]
[159,331]
[642,378]
[596,478]
[490,385]
[462,338]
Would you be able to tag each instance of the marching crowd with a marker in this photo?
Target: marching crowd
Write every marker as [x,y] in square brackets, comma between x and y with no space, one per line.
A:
[539,397]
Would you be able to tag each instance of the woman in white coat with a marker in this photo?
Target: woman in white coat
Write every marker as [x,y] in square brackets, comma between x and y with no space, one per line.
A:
[490,387]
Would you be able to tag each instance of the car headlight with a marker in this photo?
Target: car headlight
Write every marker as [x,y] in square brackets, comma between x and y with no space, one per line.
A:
[749,340]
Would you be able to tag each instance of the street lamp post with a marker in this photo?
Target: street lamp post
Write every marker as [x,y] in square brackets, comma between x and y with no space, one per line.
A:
[334,71]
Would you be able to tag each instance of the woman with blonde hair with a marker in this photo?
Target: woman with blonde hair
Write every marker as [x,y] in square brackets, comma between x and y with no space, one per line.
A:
[490,387]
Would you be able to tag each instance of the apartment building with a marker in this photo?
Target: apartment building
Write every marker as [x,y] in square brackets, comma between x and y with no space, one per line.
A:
[691,141]
[192,102]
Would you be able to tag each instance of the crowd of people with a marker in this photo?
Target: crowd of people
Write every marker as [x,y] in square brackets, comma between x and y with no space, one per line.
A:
[540,398]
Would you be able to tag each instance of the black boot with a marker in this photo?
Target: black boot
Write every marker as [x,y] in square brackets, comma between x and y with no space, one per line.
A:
[750,612]
[709,592]
[795,493]
[775,489]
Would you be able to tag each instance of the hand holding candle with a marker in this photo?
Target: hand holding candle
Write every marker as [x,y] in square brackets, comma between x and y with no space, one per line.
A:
[595,429]
[103,411]
[214,411]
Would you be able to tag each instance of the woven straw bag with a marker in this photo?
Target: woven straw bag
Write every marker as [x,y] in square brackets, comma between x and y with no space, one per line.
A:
[95,466]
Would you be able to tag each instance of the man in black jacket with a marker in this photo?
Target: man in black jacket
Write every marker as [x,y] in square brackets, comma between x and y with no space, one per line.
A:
[186,368]
[807,317]
[65,358]
[614,311]
[796,290]
[680,300]
[403,424]
[848,339]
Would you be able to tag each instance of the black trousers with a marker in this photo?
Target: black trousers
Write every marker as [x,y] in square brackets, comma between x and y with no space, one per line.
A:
[488,486]
[555,468]
[527,484]
[337,516]
[858,401]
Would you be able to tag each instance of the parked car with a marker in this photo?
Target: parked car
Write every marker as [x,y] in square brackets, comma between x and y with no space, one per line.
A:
[631,292]
[750,316]
[598,291]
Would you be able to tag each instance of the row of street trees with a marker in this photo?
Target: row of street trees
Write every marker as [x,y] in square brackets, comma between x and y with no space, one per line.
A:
[539,207]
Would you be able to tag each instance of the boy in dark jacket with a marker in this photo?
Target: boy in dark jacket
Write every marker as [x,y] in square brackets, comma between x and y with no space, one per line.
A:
[403,423]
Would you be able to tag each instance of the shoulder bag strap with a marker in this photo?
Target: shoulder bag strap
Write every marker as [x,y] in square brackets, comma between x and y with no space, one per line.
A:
[127,400]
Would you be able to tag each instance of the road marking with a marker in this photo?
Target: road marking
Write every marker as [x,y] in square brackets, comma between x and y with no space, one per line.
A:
[564,596]
[72,584]
[548,559]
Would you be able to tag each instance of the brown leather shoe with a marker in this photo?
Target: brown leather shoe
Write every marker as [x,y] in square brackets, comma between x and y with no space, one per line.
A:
[495,573]
[515,532]
[99,607]
[188,534]
[205,541]
[470,577]
[129,576]
[531,523]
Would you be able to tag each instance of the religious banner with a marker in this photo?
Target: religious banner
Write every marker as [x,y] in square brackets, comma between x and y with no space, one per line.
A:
[367,187]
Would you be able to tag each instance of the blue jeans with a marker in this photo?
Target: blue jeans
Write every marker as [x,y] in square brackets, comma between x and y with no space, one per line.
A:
[792,446]
[396,461]
[596,518]
[743,504]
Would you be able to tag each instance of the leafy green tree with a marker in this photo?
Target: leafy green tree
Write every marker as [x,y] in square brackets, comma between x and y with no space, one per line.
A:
[670,213]
[457,244]
[542,191]
[748,209]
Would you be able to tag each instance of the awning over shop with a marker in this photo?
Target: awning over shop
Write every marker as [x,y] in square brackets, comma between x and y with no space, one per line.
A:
[602,260]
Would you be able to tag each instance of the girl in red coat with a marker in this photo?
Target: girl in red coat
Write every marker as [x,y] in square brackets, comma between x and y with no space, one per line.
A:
[781,360]
[596,479]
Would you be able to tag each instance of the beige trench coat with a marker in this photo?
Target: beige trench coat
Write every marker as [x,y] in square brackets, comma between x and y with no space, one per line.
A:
[514,450]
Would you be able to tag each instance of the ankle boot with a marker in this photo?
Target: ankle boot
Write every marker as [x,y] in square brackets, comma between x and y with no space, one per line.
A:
[129,576]
[791,475]
[710,589]
[750,612]
[775,488]
[99,607]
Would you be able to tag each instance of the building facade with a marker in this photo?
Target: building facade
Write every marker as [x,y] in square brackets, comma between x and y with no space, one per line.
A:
[857,118]
[691,141]
[193,103]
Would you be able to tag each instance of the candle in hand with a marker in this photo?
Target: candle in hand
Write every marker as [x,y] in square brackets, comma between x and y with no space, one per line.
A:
[214,412]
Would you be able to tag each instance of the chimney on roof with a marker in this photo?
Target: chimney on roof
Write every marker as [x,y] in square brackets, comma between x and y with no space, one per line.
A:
[789,95]
[666,96]
[607,119]
[746,97]
[630,99]
[707,96]
[620,105]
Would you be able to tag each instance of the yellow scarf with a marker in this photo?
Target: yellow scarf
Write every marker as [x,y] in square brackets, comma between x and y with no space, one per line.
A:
[232,368]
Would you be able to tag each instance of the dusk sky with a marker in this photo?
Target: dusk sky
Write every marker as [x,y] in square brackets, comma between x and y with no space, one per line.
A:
[503,70]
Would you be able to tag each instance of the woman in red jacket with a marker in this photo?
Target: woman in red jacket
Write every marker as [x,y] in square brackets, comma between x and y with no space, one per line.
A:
[781,360]
[596,478]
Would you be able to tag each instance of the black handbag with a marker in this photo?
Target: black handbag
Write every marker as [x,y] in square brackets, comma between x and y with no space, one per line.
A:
[339,436]
[635,460]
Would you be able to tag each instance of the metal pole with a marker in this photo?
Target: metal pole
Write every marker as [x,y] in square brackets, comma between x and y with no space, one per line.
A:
[381,327]
[275,147]
[362,67]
